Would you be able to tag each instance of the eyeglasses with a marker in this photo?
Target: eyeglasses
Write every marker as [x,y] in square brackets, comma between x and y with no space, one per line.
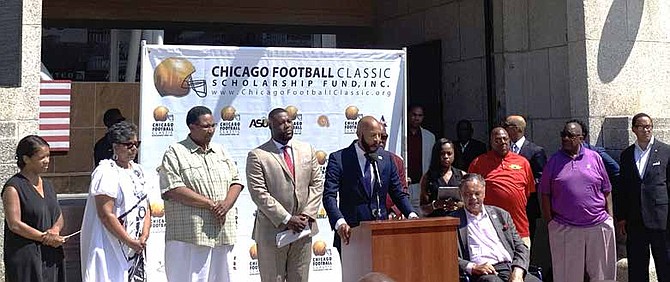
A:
[644,126]
[569,135]
[130,145]
[207,126]
[501,140]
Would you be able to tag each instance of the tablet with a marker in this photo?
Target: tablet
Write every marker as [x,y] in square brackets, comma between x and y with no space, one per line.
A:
[446,192]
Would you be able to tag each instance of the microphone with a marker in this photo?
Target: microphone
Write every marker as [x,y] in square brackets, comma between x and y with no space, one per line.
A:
[372,157]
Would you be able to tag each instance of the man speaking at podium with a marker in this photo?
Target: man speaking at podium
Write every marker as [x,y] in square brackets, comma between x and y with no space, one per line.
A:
[363,174]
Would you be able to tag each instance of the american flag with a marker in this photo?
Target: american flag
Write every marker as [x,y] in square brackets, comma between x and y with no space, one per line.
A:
[54,111]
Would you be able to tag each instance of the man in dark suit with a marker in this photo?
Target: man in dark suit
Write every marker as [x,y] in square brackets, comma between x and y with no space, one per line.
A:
[642,211]
[489,248]
[351,174]
[467,149]
[516,128]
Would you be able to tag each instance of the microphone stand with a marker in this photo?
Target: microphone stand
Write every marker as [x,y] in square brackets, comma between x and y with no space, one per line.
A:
[375,170]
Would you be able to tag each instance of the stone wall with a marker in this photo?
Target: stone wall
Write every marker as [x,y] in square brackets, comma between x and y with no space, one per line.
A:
[532,66]
[627,58]
[459,25]
[19,105]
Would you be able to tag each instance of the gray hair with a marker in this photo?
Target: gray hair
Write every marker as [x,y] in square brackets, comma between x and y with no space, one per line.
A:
[121,132]
[471,177]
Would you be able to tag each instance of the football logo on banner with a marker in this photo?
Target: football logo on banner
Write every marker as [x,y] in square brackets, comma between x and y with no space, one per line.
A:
[163,125]
[253,264]
[352,115]
[174,77]
[296,118]
[230,122]
[322,121]
[323,259]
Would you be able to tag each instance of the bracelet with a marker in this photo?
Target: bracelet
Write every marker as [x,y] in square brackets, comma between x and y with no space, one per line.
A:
[433,205]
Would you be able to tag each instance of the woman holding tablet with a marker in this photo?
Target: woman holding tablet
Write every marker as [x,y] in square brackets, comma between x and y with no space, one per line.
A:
[440,173]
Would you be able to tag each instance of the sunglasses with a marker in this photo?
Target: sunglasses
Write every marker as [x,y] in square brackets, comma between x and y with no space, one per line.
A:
[569,135]
[130,145]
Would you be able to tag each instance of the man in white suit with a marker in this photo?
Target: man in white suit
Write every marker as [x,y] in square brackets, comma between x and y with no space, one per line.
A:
[286,184]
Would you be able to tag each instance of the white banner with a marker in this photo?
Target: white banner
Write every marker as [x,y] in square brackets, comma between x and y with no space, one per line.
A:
[326,91]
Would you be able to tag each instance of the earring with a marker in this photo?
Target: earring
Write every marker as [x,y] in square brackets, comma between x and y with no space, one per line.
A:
[115,157]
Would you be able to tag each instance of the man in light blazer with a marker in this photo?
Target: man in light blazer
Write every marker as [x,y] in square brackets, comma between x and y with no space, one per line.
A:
[350,174]
[642,202]
[286,185]
[489,247]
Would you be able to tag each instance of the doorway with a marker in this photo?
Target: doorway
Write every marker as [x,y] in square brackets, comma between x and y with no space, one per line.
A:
[424,87]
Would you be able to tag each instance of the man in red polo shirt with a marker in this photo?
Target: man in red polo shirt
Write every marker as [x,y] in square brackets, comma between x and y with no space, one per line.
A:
[509,180]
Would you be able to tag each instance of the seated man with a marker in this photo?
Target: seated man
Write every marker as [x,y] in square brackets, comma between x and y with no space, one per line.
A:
[489,247]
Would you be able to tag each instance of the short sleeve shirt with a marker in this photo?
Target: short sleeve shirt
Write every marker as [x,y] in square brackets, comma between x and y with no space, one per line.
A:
[509,182]
[578,188]
[209,173]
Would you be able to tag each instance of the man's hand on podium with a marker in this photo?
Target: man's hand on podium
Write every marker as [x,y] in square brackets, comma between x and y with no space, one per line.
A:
[345,232]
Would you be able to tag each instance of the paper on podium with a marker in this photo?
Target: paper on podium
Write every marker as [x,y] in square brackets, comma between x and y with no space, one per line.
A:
[287,237]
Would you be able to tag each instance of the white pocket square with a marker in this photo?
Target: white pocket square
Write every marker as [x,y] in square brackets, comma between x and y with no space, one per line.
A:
[656,163]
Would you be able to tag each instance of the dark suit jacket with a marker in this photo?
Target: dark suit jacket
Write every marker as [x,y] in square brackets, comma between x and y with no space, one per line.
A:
[344,177]
[645,200]
[502,222]
[535,156]
[472,151]
[400,166]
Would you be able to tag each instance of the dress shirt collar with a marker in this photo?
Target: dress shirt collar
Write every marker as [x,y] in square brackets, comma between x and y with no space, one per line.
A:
[280,146]
[639,149]
[480,216]
[519,142]
[193,147]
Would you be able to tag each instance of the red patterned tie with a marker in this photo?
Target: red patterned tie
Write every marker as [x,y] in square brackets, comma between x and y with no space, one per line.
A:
[287,159]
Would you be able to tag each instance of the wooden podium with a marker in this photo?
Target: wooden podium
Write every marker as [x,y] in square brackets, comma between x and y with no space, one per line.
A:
[408,250]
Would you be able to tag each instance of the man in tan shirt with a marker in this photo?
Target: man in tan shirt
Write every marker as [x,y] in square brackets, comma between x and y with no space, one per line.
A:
[200,185]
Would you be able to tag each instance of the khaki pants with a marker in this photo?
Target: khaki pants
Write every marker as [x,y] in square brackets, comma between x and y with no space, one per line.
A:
[574,249]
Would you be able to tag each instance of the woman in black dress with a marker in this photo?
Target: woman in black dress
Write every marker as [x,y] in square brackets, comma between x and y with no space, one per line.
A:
[441,173]
[33,247]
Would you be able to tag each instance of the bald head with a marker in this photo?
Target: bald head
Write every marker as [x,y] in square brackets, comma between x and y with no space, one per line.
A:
[367,123]
[376,277]
[515,126]
[369,133]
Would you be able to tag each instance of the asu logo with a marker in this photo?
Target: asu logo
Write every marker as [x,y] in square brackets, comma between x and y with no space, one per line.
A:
[259,123]
[174,77]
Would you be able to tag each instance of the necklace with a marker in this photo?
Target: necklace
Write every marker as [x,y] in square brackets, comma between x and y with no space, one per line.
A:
[134,173]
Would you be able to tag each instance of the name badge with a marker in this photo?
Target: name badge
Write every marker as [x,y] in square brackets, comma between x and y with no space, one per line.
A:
[656,163]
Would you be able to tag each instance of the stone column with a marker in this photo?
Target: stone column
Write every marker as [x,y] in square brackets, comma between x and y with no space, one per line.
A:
[626,57]
[19,105]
